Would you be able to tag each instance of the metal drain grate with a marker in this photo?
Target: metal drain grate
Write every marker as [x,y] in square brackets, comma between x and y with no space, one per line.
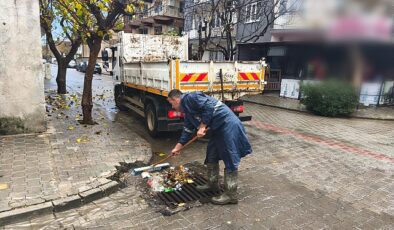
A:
[188,193]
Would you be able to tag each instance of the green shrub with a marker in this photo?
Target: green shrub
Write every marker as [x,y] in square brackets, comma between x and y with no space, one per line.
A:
[330,98]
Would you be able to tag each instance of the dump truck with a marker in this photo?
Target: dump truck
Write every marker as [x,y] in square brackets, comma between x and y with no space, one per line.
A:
[148,67]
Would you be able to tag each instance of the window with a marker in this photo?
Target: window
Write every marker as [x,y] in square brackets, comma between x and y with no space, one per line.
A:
[218,20]
[197,22]
[193,22]
[252,13]
[247,18]
[158,8]
[181,7]
[158,30]
[143,31]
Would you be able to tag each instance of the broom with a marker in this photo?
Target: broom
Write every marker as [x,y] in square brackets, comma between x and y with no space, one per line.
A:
[157,166]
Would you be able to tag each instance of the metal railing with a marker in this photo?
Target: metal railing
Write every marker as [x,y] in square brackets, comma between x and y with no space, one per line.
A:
[170,11]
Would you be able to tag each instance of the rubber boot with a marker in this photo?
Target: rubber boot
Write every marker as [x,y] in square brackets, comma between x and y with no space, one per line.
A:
[230,195]
[213,179]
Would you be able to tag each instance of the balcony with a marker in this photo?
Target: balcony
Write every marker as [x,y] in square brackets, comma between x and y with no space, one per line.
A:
[163,11]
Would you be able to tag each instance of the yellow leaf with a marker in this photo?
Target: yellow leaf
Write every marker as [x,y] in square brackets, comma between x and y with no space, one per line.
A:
[79,140]
[130,8]
[181,204]
[101,6]
[190,181]
[162,154]
[141,4]
[71,127]
[3,186]
[79,13]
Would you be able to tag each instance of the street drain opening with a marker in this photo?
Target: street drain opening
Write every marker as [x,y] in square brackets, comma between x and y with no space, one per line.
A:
[167,203]
[188,194]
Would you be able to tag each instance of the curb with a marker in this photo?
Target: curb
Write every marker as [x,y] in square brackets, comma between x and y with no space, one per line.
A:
[275,106]
[307,112]
[106,188]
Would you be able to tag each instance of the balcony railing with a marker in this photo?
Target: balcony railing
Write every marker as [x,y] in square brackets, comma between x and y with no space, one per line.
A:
[169,11]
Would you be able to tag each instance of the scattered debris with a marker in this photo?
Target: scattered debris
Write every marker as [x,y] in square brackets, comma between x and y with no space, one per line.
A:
[145,175]
[170,180]
[169,211]
[83,139]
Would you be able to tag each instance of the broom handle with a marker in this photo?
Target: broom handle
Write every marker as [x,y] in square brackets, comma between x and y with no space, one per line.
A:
[169,156]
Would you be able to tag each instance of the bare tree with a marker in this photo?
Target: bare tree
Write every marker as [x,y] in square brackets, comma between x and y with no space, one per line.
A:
[202,16]
[221,18]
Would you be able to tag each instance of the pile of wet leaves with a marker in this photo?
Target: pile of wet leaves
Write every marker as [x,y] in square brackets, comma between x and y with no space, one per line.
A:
[169,180]
[60,102]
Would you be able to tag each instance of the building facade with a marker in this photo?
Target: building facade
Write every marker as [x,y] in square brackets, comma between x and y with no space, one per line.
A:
[22,103]
[211,28]
[157,17]
[338,39]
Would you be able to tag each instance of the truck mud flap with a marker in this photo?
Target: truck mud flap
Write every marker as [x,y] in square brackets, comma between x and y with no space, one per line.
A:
[245,118]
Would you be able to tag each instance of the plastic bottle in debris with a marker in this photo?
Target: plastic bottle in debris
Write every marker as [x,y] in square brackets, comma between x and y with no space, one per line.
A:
[178,187]
[155,183]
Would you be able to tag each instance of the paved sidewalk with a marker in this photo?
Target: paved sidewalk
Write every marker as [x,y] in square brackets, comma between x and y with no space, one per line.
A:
[69,159]
[273,100]
[305,172]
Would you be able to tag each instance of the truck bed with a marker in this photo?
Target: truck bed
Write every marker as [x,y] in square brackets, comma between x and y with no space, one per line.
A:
[239,78]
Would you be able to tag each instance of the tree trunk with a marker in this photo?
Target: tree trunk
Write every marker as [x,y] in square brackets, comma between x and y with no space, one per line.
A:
[87,103]
[61,76]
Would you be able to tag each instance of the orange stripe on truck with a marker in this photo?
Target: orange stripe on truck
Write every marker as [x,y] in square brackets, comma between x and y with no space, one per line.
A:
[249,76]
[194,77]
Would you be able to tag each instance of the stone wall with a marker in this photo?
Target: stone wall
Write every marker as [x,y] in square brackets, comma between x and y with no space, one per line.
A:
[22,103]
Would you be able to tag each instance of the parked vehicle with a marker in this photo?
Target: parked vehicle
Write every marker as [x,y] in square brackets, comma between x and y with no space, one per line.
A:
[72,64]
[82,66]
[147,75]
[97,69]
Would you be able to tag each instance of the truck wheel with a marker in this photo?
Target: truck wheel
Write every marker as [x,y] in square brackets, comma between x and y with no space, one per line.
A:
[151,120]
[118,98]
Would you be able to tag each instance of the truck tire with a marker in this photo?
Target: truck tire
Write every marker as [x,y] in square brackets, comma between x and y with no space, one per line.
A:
[118,98]
[151,120]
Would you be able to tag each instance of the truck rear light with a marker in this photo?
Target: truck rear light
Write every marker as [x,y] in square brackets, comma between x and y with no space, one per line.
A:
[237,109]
[174,114]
